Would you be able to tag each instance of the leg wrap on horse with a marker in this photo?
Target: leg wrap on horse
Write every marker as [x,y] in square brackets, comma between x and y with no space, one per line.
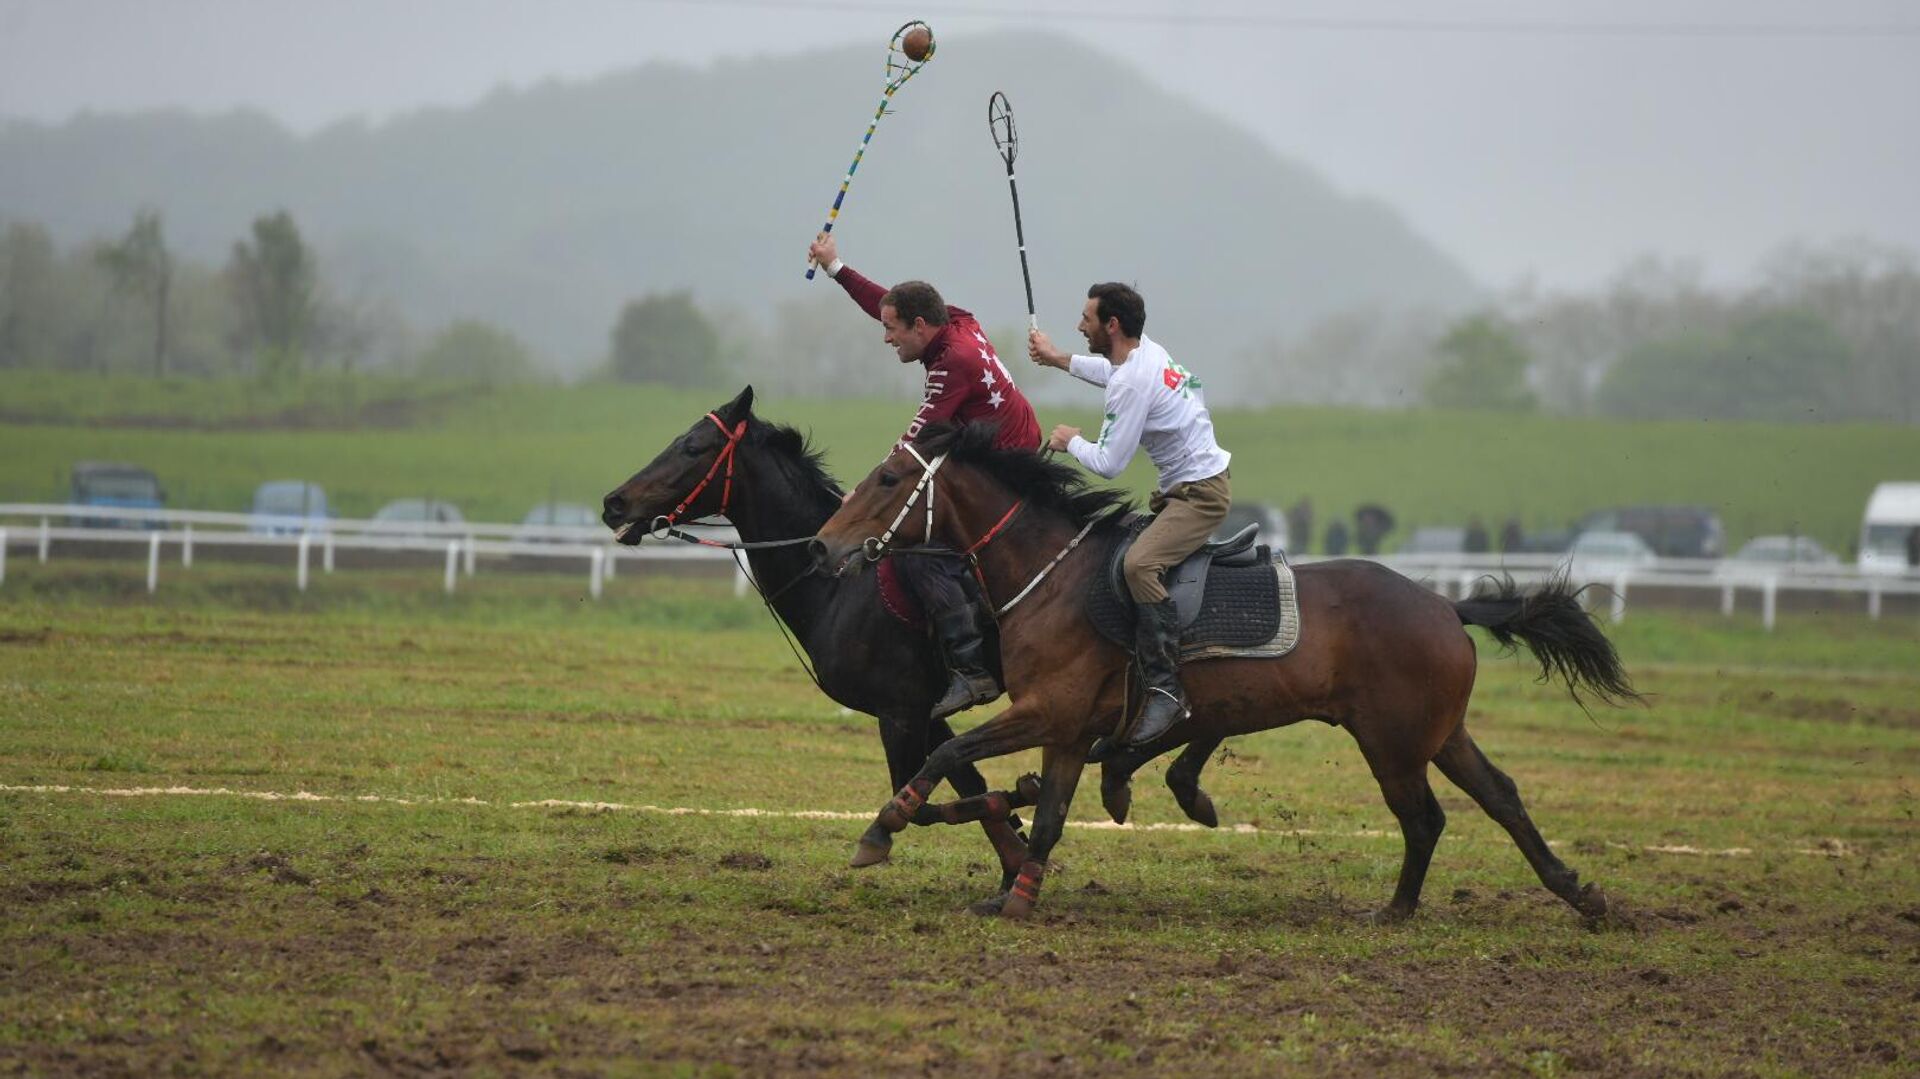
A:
[899,812]
[1026,886]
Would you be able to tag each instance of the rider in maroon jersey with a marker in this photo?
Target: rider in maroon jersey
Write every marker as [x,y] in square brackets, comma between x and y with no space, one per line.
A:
[965,383]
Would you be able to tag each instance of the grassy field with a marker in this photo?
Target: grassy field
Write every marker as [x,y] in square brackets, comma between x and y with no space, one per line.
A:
[509,906]
[497,453]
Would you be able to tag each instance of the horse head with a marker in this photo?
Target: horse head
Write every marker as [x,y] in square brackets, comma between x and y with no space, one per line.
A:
[691,478]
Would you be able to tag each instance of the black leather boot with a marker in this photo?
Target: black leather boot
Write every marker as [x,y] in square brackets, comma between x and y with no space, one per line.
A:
[1156,637]
[971,683]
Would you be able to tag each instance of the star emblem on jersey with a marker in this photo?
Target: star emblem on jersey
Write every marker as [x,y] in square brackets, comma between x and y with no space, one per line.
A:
[994,398]
[986,379]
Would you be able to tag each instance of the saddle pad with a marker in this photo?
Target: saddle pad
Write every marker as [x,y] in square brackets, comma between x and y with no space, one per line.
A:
[898,599]
[1249,612]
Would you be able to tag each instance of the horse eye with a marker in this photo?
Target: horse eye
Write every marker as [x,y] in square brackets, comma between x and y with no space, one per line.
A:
[691,450]
[888,479]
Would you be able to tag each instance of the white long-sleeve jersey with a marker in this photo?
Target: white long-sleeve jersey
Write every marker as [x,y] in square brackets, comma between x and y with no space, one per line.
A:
[1155,403]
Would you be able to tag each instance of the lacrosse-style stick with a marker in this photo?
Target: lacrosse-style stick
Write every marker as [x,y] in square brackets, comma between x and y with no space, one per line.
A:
[901,66]
[1007,140]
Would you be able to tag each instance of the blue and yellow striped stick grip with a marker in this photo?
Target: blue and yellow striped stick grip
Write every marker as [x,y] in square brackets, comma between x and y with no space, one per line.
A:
[859,152]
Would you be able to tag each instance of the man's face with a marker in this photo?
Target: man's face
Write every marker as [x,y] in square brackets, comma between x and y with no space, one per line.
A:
[909,342]
[1098,339]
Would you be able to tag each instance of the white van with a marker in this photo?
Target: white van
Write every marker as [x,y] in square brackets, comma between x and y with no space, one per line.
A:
[1892,514]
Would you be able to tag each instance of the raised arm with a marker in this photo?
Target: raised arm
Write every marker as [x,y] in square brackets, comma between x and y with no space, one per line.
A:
[826,252]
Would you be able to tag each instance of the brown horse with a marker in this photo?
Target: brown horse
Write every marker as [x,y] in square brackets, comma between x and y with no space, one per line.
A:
[1379,655]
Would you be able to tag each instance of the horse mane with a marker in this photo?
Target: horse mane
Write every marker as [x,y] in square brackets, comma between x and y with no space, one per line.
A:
[797,450]
[1043,481]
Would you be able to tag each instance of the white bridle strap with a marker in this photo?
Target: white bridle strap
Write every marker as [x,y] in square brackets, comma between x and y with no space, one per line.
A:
[928,468]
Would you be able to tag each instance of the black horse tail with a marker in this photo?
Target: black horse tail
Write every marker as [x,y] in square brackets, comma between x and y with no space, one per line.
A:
[1557,630]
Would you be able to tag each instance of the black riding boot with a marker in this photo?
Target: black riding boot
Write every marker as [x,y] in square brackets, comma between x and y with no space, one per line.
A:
[971,683]
[1156,637]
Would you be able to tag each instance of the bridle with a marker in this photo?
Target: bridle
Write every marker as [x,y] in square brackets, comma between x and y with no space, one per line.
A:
[666,521]
[877,547]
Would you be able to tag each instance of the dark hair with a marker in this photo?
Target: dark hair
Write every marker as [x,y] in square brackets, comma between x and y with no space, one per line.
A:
[916,299]
[1121,302]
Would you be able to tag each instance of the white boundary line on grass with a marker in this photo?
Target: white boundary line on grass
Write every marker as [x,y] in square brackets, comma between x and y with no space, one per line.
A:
[1828,848]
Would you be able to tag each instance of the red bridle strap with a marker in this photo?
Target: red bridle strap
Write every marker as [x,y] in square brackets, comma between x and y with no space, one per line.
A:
[995,530]
[971,553]
[726,457]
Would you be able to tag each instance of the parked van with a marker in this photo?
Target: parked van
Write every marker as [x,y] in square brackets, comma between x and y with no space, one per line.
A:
[1893,512]
[100,483]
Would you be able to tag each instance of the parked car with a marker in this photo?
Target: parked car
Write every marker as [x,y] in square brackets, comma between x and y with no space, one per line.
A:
[1273,524]
[1887,529]
[1766,556]
[1671,531]
[288,508]
[1547,541]
[101,483]
[1435,540]
[1601,555]
[558,522]
[422,511]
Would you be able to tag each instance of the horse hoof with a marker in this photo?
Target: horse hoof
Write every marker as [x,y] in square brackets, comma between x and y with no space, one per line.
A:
[1028,790]
[1015,908]
[1591,902]
[1389,915]
[1118,798]
[866,854]
[1201,810]
[987,908]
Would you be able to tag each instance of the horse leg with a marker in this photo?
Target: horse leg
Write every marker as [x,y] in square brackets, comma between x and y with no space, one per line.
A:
[1116,773]
[1421,821]
[1461,761]
[991,806]
[1183,779]
[1059,776]
[1017,728]
[1003,833]
[905,744]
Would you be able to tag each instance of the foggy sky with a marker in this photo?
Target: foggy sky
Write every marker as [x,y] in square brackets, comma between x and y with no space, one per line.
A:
[1524,153]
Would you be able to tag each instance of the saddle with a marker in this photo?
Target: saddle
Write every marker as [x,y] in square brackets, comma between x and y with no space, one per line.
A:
[1231,597]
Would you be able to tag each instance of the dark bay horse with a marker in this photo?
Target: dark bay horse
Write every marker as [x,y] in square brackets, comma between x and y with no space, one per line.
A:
[772,487]
[1379,655]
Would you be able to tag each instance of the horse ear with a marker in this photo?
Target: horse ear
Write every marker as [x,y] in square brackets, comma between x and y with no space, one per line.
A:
[740,407]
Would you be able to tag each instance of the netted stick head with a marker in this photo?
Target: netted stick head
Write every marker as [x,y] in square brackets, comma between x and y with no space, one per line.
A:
[1006,138]
[913,41]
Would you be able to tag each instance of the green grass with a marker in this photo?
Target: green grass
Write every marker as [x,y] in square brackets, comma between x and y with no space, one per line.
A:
[219,934]
[497,453]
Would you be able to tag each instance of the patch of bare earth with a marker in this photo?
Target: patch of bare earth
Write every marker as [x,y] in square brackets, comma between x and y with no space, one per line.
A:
[410,976]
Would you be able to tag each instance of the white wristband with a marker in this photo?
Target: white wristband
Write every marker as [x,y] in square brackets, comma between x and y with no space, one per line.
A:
[833,268]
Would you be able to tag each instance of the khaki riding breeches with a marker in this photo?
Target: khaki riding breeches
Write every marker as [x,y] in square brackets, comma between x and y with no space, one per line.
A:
[1184,517]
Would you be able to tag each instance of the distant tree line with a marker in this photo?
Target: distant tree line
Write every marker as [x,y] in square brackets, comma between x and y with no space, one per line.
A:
[128,304]
[1826,334]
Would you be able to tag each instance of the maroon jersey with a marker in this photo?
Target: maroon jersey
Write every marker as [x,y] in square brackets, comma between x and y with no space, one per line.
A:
[966,383]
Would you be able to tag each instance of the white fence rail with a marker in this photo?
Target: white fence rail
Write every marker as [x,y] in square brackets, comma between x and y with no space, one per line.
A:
[39,526]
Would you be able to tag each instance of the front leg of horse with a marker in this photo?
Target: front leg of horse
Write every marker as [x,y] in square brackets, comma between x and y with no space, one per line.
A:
[1008,732]
[1059,777]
